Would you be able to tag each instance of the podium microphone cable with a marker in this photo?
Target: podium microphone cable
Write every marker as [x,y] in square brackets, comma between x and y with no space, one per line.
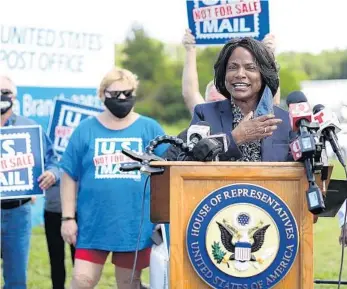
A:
[149,150]
[140,230]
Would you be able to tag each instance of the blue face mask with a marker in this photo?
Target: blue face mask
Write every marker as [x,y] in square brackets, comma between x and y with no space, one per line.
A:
[265,105]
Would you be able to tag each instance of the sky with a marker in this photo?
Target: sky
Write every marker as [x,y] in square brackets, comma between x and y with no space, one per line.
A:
[299,25]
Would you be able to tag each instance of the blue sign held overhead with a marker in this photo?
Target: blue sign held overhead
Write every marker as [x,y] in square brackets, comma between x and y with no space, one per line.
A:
[21,161]
[218,21]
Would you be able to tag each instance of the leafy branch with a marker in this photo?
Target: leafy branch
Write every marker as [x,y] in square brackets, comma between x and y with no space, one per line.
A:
[218,253]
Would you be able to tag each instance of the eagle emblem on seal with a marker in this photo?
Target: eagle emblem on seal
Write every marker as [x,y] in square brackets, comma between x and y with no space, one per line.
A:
[242,242]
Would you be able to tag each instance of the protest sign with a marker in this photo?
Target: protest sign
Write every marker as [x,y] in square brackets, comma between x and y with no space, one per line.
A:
[21,161]
[218,21]
[66,116]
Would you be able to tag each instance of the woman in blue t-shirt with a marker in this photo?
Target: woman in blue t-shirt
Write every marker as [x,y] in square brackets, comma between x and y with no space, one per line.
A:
[109,202]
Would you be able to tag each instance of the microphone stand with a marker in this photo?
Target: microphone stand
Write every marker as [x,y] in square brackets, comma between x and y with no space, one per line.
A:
[311,150]
[167,139]
[145,159]
[324,170]
[329,282]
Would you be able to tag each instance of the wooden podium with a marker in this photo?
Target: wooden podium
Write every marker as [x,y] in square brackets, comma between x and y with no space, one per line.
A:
[176,194]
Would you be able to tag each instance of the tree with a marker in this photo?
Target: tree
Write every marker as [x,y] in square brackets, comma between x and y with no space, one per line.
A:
[159,94]
[144,56]
[290,80]
[325,65]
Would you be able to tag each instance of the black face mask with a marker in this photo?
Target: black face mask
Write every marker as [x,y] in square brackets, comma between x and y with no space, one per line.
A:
[119,107]
[6,100]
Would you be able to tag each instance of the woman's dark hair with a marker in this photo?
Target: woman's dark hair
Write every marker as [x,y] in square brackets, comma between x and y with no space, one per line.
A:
[263,57]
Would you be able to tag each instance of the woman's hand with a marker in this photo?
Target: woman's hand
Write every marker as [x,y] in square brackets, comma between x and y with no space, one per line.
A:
[270,42]
[46,180]
[188,40]
[258,128]
[69,231]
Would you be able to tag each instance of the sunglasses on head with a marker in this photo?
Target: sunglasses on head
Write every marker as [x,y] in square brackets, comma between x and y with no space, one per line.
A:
[117,93]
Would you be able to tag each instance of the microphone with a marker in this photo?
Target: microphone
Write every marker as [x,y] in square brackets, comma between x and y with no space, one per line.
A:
[207,150]
[329,126]
[197,132]
[326,118]
[203,146]
[304,147]
[314,196]
[222,138]
[299,110]
[300,117]
[300,152]
[295,149]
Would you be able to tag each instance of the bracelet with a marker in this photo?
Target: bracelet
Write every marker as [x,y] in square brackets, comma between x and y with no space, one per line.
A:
[67,218]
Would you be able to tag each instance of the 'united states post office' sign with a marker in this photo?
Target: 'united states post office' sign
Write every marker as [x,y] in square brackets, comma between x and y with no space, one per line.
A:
[21,161]
[217,21]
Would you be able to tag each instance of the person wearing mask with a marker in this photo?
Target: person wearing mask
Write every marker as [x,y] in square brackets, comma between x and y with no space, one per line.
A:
[16,213]
[112,206]
[190,80]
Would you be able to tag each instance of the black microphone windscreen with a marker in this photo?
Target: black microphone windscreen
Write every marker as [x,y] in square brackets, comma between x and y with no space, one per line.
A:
[206,149]
[296,97]
[318,108]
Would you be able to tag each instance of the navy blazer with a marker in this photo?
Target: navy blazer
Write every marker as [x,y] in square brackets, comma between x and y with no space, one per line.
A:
[218,114]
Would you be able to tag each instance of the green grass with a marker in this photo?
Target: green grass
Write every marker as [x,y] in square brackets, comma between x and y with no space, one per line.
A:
[326,259]
[39,270]
[327,251]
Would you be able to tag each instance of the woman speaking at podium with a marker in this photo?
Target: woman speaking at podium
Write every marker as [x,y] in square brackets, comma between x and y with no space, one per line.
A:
[247,75]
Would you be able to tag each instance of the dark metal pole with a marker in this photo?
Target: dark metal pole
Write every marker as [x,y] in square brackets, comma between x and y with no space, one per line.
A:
[331,282]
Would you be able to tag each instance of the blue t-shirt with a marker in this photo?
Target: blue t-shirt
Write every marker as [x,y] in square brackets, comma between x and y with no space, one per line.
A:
[109,201]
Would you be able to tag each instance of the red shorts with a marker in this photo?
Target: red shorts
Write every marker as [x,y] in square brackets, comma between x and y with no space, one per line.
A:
[120,259]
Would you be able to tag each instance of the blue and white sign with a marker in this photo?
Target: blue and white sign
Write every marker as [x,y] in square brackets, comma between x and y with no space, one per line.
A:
[21,161]
[218,21]
[66,116]
[37,103]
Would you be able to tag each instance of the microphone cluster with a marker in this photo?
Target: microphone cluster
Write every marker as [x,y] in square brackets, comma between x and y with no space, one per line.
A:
[200,146]
[313,128]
